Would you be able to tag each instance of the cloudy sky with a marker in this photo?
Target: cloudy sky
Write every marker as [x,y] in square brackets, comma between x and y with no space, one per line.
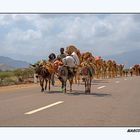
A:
[31,37]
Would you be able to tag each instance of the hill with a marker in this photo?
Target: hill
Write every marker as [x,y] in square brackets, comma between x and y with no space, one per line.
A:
[4,67]
[9,63]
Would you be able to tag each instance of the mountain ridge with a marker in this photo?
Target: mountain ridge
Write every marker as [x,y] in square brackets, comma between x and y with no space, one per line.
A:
[9,63]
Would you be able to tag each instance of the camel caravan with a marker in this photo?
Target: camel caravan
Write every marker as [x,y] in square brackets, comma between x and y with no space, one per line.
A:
[76,67]
[135,70]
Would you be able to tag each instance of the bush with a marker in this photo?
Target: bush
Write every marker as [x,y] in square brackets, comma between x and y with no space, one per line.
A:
[16,76]
[28,73]
[22,74]
[5,74]
[18,72]
[8,81]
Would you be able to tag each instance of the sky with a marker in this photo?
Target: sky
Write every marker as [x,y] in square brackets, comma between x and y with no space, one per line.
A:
[31,37]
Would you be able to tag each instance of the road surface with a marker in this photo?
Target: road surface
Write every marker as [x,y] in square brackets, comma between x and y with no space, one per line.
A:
[113,102]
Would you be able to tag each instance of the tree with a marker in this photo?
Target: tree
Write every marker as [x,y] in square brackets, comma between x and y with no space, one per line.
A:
[19,74]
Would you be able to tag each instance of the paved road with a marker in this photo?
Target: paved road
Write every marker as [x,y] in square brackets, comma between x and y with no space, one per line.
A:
[113,102]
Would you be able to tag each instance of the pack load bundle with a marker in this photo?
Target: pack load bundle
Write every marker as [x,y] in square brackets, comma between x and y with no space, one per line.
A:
[71,60]
[70,49]
[86,55]
[97,57]
[56,64]
[41,63]
[109,63]
[49,66]
[85,66]
[75,57]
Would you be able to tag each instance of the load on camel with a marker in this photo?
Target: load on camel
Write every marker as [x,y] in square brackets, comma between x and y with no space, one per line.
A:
[97,63]
[83,57]
[112,69]
[135,70]
[120,69]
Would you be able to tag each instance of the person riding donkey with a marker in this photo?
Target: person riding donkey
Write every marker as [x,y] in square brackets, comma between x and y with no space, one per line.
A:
[71,61]
[68,70]
[68,59]
[52,58]
[62,54]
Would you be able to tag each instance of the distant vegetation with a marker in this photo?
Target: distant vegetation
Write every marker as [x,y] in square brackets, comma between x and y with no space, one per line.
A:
[17,76]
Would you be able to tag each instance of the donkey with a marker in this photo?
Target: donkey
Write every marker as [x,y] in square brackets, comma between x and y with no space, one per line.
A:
[86,73]
[43,75]
[65,73]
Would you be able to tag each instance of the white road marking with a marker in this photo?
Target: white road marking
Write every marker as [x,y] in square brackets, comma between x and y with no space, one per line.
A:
[101,87]
[117,81]
[42,108]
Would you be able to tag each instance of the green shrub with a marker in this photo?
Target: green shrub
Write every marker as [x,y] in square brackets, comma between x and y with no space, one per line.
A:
[8,81]
[16,76]
[22,74]
[5,74]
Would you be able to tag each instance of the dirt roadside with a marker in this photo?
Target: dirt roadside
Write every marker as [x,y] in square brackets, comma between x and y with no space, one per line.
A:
[13,87]
[22,86]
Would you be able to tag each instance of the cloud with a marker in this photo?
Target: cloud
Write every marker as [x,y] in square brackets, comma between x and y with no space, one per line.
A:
[36,35]
[5,19]
[20,36]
